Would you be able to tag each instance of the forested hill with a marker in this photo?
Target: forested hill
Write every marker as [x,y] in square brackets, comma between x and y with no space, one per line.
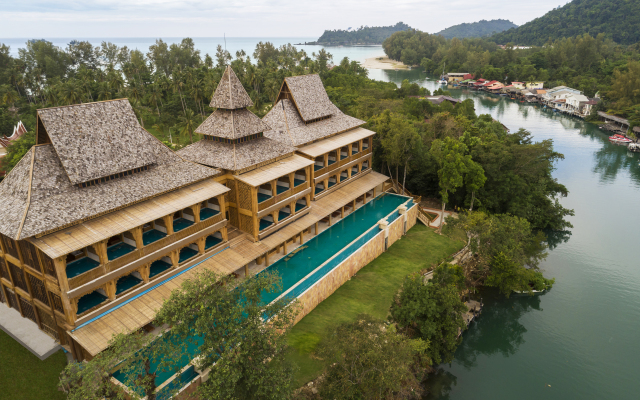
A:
[362,35]
[618,19]
[477,29]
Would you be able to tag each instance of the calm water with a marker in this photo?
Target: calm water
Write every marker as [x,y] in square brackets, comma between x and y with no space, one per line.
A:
[579,340]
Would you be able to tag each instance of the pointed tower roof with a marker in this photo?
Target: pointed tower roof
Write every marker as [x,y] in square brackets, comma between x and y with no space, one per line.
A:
[230,93]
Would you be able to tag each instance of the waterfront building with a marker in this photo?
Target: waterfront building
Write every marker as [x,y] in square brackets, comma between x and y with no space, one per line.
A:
[97,232]
[454,77]
[534,85]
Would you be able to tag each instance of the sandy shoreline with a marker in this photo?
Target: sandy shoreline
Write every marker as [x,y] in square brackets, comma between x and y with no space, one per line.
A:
[383,62]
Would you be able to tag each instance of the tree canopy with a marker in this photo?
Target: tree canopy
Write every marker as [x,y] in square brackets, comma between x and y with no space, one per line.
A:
[477,29]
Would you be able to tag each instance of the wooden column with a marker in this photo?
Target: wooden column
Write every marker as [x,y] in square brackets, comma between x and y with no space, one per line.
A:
[60,265]
[168,222]
[354,204]
[144,272]
[201,243]
[137,236]
[284,247]
[223,205]
[291,180]
[175,257]
[316,228]
[246,271]
[266,259]
[342,212]
[196,212]
[110,289]
[225,235]
[101,250]
[301,238]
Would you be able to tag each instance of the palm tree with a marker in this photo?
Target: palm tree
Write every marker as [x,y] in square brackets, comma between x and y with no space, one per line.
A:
[115,80]
[198,94]
[70,92]
[104,92]
[188,123]
[10,97]
[155,96]
[177,87]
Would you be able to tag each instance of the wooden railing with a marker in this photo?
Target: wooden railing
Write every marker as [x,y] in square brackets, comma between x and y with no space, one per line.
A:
[340,163]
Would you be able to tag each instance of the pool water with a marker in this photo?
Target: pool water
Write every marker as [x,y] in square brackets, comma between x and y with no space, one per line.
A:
[207,213]
[126,282]
[88,301]
[151,236]
[181,223]
[158,267]
[119,250]
[319,249]
[77,267]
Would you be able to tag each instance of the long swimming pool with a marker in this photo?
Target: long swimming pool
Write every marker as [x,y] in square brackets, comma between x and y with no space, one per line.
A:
[299,269]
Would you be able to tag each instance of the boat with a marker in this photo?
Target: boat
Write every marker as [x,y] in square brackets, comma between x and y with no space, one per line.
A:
[619,139]
[443,81]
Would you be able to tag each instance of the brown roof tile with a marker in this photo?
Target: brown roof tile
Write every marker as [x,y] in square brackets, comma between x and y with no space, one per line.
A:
[309,96]
[95,140]
[232,124]
[230,93]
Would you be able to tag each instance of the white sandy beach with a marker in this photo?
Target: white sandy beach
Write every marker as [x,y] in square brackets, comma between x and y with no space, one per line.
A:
[383,62]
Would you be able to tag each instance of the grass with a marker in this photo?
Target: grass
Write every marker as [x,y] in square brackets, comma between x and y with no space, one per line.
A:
[370,292]
[24,376]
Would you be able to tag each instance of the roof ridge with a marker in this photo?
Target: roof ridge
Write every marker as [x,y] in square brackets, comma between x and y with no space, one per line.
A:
[83,104]
[26,208]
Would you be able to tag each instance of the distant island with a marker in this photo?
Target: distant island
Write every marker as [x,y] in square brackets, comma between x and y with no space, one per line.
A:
[364,35]
[477,29]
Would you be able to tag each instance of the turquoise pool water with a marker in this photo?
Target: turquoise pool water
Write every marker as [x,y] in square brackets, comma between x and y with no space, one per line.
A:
[126,282]
[319,249]
[181,223]
[262,197]
[119,250]
[296,266]
[77,267]
[90,300]
[158,267]
[207,213]
[151,236]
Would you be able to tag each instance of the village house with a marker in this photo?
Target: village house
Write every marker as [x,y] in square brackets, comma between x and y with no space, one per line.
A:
[95,233]
[454,77]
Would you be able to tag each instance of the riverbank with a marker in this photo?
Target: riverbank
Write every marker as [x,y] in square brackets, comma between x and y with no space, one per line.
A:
[370,292]
[383,62]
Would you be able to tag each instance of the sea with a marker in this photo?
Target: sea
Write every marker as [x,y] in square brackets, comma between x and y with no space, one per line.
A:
[576,341]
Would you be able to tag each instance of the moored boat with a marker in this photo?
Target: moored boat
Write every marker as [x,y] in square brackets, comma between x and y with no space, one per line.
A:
[620,139]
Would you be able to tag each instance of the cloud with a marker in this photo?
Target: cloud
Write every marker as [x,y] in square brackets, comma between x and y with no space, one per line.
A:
[251,18]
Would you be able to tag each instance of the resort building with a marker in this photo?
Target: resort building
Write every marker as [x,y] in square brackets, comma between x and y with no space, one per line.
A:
[102,221]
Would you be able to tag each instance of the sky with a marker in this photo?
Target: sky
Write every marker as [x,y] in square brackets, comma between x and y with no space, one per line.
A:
[249,18]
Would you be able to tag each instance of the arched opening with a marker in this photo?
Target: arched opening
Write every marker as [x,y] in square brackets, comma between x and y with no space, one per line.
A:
[159,266]
[209,208]
[128,282]
[187,253]
[118,246]
[91,300]
[265,222]
[344,175]
[318,163]
[181,221]
[264,192]
[332,181]
[152,233]
[354,170]
[300,177]
[213,240]
[81,261]
[284,213]
[333,157]
[355,148]
[319,187]
[283,184]
[344,152]
[301,203]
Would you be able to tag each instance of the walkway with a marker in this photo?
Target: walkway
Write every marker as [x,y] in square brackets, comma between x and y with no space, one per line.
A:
[27,333]
[436,221]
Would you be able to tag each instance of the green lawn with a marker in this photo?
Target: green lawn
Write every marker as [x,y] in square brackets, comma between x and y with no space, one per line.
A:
[24,377]
[370,291]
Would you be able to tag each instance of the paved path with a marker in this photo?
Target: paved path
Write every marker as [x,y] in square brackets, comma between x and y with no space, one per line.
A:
[436,221]
[27,333]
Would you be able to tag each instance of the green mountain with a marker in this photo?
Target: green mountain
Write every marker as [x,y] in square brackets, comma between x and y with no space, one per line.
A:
[362,35]
[617,19]
[477,29]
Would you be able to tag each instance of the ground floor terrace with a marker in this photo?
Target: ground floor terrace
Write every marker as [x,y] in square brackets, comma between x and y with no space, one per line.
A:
[341,234]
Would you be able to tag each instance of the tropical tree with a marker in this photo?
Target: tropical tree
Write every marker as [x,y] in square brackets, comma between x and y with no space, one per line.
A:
[188,123]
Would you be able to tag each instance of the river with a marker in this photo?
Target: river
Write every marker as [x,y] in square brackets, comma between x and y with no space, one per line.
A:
[577,340]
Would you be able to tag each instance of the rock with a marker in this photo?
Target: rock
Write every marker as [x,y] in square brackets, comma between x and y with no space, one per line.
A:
[310,384]
[314,390]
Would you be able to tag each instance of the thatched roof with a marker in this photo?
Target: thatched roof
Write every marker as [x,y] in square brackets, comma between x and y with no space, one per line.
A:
[237,156]
[287,126]
[37,195]
[95,140]
[309,96]
[232,124]
[230,93]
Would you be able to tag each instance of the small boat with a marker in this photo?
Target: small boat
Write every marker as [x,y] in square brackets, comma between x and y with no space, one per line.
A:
[619,139]
[442,82]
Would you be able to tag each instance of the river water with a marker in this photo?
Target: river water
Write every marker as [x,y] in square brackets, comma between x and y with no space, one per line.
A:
[578,340]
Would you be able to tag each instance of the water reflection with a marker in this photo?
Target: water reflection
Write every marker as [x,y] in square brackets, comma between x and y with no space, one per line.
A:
[497,331]
[554,238]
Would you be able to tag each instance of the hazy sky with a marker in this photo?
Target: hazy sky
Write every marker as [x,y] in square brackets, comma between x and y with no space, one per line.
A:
[249,18]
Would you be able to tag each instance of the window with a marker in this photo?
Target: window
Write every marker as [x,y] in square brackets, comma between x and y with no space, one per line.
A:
[266,222]
[91,301]
[187,253]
